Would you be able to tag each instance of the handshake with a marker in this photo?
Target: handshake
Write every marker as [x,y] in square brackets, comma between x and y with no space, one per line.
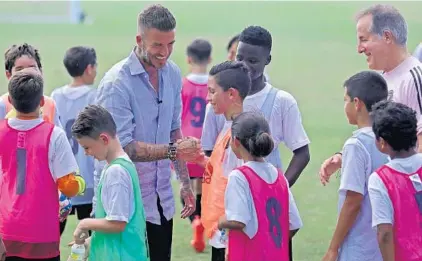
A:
[189,149]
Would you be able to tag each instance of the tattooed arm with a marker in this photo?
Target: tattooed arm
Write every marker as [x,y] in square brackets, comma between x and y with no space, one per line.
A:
[142,152]
[179,165]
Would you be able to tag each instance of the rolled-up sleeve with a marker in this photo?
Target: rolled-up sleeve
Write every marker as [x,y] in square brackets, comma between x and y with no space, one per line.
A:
[114,97]
[177,111]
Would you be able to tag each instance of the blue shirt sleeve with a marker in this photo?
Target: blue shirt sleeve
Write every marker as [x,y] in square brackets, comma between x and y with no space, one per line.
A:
[176,122]
[115,98]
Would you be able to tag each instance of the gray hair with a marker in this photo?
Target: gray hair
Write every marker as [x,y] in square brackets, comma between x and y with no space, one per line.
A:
[158,17]
[386,18]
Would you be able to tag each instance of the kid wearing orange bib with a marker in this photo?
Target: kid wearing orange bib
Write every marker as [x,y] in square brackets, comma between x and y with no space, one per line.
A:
[228,85]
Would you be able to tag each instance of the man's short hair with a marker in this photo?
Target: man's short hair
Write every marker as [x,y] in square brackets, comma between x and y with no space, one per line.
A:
[386,18]
[156,17]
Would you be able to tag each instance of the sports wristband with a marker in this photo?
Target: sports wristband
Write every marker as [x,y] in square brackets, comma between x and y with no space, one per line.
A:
[82,184]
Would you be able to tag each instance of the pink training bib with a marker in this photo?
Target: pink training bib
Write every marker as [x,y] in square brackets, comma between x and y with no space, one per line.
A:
[194,98]
[407,204]
[29,221]
[271,242]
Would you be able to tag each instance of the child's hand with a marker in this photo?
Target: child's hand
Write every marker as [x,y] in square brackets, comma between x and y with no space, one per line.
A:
[188,149]
[80,235]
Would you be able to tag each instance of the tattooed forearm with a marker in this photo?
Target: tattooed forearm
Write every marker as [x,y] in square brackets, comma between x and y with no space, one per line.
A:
[144,152]
[179,165]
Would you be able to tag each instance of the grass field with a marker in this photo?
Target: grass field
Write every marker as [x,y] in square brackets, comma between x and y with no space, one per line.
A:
[314,51]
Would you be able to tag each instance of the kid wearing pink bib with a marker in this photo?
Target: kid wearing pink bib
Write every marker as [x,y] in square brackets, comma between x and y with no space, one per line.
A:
[36,160]
[395,189]
[260,212]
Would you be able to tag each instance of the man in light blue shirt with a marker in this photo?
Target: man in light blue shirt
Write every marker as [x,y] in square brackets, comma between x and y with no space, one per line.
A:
[143,94]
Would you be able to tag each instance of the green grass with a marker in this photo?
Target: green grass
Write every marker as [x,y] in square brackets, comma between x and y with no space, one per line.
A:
[314,51]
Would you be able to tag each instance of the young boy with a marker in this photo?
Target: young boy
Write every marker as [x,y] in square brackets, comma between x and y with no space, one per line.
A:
[395,189]
[228,85]
[232,50]
[279,107]
[119,227]
[354,239]
[80,63]
[37,159]
[17,58]
[194,95]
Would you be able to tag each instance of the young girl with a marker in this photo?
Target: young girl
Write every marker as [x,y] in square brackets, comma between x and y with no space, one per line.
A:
[259,206]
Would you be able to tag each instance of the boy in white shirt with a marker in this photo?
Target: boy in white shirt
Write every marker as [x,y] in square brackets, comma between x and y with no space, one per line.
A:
[395,189]
[354,239]
[81,64]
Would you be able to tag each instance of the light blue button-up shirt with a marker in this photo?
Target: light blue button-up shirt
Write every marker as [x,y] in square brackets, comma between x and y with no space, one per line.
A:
[142,114]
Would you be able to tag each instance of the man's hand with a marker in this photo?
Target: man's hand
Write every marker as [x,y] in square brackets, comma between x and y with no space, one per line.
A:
[331,255]
[329,167]
[188,149]
[187,195]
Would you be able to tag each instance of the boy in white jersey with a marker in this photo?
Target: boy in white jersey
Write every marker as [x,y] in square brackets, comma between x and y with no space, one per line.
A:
[18,58]
[353,238]
[395,189]
[81,64]
[279,107]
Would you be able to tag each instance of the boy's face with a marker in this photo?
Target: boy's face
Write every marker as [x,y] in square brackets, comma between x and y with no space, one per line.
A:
[23,62]
[382,146]
[96,148]
[349,108]
[90,74]
[217,97]
[231,55]
[255,57]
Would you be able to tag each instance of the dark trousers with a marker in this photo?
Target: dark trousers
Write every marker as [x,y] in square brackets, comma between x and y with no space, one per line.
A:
[160,238]
[218,254]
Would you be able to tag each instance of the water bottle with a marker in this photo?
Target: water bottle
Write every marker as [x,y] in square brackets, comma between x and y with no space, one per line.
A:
[77,253]
[224,236]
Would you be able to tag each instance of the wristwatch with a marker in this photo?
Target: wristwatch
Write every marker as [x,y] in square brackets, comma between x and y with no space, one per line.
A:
[172,151]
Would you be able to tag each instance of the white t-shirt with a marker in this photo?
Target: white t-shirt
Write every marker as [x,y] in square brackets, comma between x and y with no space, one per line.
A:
[239,202]
[361,242]
[382,207]
[405,85]
[60,156]
[285,124]
[117,192]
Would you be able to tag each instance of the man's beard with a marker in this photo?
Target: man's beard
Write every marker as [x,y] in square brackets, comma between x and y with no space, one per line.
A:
[143,56]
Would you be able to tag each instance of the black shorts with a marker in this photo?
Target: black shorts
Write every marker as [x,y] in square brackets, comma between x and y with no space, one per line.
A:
[82,211]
